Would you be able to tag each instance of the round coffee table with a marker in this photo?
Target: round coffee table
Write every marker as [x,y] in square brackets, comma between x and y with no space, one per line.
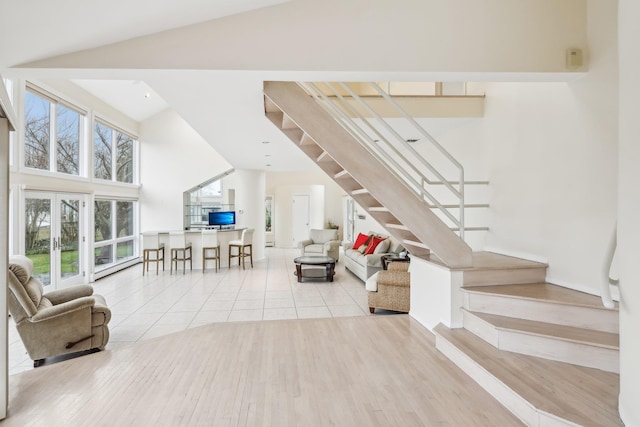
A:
[328,263]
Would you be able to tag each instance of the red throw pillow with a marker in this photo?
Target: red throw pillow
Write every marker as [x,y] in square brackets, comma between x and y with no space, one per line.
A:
[360,240]
[375,241]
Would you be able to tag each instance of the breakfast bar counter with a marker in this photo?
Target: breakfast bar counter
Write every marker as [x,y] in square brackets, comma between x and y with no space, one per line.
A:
[195,238]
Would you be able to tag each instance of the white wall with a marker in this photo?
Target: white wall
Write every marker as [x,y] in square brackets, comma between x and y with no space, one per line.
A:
[452,35]
[550,153]
[629,212]
[282,185]
[174,158]
[553,164]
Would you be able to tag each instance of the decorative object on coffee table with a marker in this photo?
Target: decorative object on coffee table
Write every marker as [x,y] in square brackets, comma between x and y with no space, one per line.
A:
[313,263]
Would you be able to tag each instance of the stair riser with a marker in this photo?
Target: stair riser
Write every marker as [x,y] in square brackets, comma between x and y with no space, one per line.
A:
[504,276]
[580,317]
[562,351]
[550,348]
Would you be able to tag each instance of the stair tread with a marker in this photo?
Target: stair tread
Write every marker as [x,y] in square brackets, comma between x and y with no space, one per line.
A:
[586,396]
[546,292]
[566,333]
[483,260]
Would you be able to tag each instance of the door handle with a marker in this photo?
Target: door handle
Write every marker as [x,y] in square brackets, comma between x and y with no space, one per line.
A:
[55,244]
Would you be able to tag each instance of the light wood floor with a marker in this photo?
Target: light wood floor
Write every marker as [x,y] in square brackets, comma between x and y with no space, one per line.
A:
[355,371]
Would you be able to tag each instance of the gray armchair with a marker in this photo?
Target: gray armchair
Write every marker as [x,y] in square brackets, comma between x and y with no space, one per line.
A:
[321,243]
[64,321]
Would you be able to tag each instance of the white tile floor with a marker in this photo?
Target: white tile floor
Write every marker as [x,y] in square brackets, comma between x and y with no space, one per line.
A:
[144,307]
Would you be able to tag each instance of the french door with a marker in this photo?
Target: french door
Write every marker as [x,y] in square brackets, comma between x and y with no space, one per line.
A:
[54,228]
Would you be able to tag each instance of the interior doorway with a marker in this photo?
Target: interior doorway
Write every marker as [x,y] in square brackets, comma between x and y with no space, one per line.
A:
[300,218]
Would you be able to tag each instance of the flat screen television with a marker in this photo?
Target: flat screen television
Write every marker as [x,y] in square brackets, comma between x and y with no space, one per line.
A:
[222,218]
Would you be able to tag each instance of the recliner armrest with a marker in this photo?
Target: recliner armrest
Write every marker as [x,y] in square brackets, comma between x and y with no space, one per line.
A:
[100,314]
[67,294]
[63,309]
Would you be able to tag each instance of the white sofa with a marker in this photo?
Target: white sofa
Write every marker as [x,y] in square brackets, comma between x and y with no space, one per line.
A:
[321,243]
[364,266]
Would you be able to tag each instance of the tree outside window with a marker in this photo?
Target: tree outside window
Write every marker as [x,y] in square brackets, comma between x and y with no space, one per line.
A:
[68,136]
[112,148]
[102,157]
[114,231]
[38,141]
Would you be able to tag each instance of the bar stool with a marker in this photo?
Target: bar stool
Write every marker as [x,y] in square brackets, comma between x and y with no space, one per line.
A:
[210,243]
[244,243]
[179,249]
[151,246]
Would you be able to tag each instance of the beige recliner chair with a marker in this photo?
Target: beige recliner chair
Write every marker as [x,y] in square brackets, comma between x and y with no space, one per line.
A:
[59,322]
[321,243]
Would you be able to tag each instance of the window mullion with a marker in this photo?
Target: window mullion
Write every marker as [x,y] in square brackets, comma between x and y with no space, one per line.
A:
[53,137]
[114,167]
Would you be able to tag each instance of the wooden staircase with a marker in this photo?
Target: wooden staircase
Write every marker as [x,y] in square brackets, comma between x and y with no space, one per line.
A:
[548,353]
[407,218]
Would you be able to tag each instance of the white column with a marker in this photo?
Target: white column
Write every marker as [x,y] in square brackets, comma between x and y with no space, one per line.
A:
[250,193]
[4,254]
[629,210]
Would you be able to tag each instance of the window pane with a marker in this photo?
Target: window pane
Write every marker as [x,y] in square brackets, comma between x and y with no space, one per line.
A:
[125,250]
[103,255]
[103,217]
[102,151]
[37,118]
[68,136]
[124,158]
[124,218]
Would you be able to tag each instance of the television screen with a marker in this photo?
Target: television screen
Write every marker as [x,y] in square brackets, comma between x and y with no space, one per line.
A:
[222,218]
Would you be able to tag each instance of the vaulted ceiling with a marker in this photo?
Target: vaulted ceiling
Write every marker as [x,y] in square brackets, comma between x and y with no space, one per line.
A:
[207,59]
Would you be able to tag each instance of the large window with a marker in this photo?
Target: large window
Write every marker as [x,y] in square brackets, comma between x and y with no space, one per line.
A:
[113,154]
[114,231]
[61,137]
[53,134]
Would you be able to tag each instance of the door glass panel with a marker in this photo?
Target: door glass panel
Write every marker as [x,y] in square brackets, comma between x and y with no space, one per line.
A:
[38,237]
[69,238]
